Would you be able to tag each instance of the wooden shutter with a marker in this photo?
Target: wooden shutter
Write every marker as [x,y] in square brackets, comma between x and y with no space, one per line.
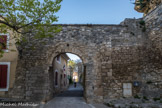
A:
[3,76]
[3,41]
[56,78]
[64,79]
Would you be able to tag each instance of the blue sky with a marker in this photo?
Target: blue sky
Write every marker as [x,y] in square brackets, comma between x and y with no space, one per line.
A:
[73,56]
[96,11]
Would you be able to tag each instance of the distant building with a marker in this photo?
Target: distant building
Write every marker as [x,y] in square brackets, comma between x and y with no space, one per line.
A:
[75,77]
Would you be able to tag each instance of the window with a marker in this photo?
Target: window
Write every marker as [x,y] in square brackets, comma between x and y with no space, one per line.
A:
[64,67]
[56,78]
[58,59]
[64,79]
[4,43]
[4,76]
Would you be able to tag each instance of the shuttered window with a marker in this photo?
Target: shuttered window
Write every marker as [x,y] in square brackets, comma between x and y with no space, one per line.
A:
[64,79]
[56,78]
[3,41]
[3,76]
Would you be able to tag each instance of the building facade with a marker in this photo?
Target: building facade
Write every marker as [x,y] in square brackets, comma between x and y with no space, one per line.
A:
[61,81]
[8,63]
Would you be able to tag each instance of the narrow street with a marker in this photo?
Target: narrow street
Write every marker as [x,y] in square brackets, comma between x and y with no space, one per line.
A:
[73,91]
[72,98]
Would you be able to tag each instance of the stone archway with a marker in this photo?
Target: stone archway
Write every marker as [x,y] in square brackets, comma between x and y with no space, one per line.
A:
[69,48]
[80,50]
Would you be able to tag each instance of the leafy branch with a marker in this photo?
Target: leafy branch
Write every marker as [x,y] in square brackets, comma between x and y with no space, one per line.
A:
[27,16]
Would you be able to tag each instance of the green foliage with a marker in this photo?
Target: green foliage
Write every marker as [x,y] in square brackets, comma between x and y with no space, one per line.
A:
[145,98]
[27,16]
[141,3]
[142,22]
[160,101]
[137,97]
[110,105]
[1,53]
[72,64]
[70,80]
[156,99]
[142,25]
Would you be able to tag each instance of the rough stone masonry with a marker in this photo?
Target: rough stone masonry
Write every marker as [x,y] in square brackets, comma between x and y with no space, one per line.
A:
[114,55]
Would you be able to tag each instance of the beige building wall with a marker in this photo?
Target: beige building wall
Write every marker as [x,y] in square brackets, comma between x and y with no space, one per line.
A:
[10,56]
[58,67]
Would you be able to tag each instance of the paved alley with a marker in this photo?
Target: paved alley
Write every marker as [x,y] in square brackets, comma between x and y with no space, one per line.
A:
[72,91]
[72,98]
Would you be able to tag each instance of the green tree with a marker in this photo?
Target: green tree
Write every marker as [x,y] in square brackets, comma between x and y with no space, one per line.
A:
[140,3]
[72,64]
[27,16]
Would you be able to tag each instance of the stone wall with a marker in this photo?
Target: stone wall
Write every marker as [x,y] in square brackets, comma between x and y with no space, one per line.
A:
[112,54]
[152,67]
